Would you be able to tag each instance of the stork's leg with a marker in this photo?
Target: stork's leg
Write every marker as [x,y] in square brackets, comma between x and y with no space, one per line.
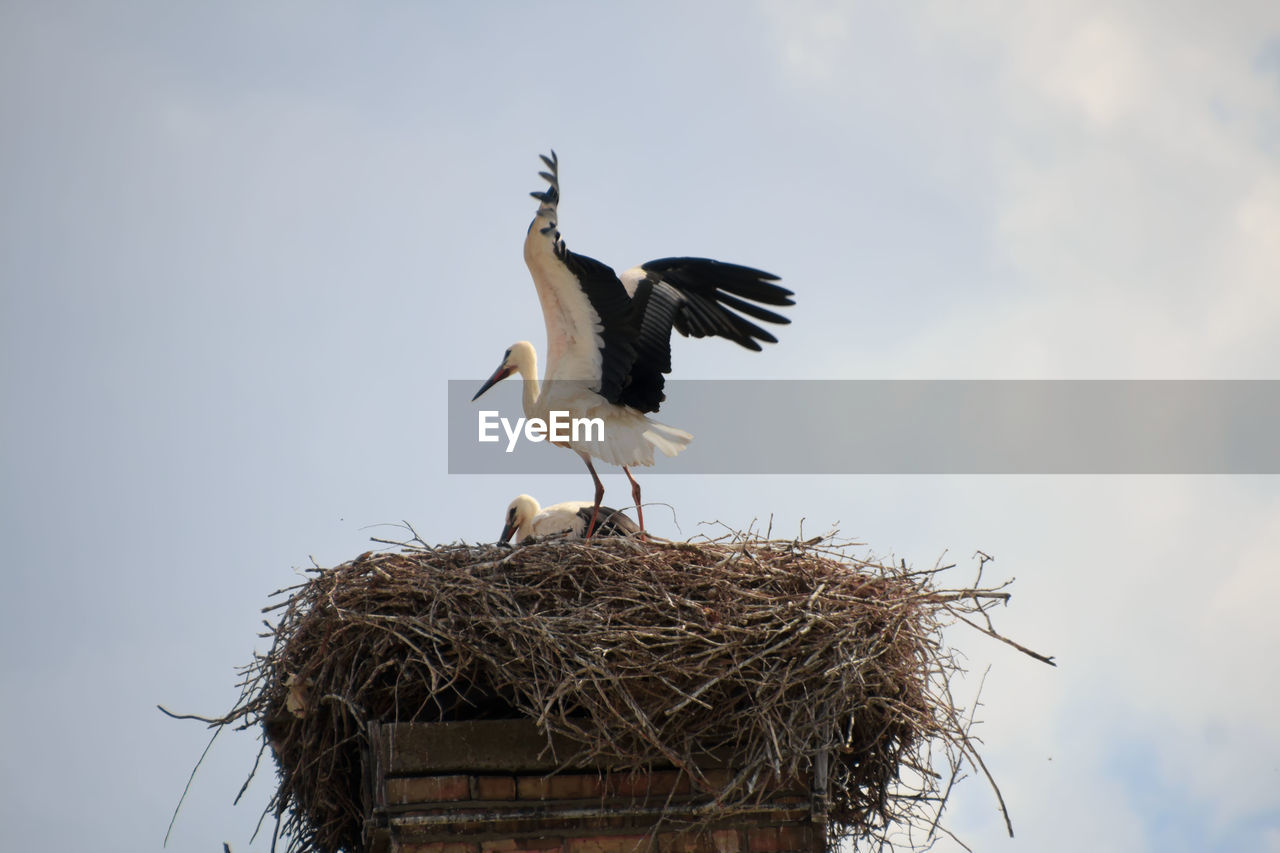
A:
[595,510]
[635,496]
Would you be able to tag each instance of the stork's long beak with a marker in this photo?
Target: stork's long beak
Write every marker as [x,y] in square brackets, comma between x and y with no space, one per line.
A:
[510,527]
[500,374]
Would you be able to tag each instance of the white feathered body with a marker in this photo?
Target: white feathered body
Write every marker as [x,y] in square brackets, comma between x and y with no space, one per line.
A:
[574,346]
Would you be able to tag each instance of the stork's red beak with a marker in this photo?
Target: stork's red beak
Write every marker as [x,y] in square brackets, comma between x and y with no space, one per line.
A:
[508,530]
[498,375]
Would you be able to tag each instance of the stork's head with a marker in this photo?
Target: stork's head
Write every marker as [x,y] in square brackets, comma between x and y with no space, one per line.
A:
[519,513]
[519,358]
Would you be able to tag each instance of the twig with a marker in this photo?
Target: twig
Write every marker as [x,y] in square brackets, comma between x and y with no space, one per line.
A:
[990,633]
[190,779]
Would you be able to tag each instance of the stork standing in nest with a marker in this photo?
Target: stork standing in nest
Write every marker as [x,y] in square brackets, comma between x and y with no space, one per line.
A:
[609,338]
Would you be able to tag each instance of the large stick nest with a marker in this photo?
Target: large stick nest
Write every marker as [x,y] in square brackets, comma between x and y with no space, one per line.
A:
[769,652]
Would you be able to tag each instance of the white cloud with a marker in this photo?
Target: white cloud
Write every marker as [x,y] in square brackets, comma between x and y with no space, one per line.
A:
[813,46]
[1127,189]
[1100,69]
[1135,192]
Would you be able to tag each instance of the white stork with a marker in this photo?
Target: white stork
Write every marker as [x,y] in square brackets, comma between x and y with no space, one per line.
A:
[526,518]
[609,338]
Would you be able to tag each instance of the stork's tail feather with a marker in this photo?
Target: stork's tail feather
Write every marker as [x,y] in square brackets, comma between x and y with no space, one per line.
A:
[667,439]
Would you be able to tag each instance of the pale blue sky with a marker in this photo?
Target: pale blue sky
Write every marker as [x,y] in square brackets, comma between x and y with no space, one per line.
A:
[243,248]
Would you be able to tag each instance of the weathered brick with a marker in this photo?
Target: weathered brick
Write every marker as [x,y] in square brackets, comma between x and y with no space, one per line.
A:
[516,829]
[797,783]
[532,787]
[795,839]
[763,839]
[686,841]
[609,844]
[428,789]
[439,847]
[493,787]
[726,840]
[672,842]
[574,786]
[653,783]
[541,844]
[501,844]
[715,780]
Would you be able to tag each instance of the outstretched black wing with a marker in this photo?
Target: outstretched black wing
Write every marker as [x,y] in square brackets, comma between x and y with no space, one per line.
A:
[697,297]
[712,292]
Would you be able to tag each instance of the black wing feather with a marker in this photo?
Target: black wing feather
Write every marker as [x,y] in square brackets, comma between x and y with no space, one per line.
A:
[619,324]
[700,318]
[697,297]
[609,522]
[714,320]
[747,282]
[712,289]
[654,306]
[753,310]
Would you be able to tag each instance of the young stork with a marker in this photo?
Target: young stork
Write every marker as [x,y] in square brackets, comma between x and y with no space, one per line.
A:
[526,518]
[609,338]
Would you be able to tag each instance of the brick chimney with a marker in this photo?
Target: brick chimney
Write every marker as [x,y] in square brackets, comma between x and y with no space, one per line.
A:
[486,786]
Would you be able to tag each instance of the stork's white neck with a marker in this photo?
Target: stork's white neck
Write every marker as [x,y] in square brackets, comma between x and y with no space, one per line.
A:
[525,359]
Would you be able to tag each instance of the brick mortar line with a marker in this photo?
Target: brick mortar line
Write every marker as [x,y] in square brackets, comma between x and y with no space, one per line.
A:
[452,816]
[612,804]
